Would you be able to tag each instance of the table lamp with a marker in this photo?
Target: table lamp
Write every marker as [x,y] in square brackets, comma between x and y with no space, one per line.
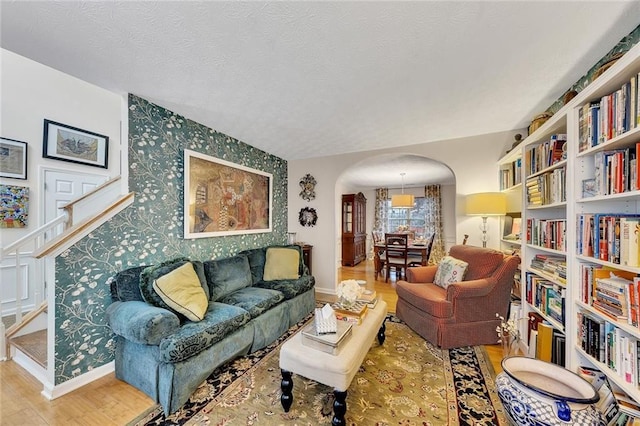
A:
[485,204]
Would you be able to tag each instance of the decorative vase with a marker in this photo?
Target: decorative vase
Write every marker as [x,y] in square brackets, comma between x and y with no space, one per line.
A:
[535,392]
[346,303]
[510,344]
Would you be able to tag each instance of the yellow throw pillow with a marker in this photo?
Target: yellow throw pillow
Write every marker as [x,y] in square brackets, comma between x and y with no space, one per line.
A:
[281,264]
[181,290]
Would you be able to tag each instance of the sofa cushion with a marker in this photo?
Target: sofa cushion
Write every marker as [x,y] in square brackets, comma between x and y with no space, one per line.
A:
[427,297]
[227,275]
[219,321]
[482,261]
[281,264]
[182,291]
[254,300]
[125,285]
[257,258]
[450,270]
[290,288]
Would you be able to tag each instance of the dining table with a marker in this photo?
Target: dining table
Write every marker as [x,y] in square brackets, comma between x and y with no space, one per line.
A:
[412,248]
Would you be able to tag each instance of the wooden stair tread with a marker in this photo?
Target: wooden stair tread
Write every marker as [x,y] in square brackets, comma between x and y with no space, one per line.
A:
[34,345]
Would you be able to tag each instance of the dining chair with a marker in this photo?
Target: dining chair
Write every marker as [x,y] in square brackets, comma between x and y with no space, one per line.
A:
[396,254]
[379,259]
[417,260]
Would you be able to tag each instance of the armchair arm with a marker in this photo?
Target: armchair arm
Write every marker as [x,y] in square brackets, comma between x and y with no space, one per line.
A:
[422,274]
[469,289]
[140,322]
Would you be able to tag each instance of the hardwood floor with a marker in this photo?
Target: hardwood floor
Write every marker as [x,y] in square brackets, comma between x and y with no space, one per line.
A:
[108,401]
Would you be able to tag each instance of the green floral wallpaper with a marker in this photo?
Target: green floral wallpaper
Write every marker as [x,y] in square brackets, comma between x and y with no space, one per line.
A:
[149,231]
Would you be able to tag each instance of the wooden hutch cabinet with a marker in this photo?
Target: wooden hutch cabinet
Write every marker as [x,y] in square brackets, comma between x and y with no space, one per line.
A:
[354,232]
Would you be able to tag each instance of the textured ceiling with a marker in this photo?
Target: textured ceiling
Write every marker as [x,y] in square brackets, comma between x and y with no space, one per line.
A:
[308,79]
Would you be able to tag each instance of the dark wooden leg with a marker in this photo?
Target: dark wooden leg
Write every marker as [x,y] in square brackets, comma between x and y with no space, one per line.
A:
[381,335]
[339,408]
[287,386]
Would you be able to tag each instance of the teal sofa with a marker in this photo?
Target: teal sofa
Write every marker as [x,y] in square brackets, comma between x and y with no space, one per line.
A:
[167,356]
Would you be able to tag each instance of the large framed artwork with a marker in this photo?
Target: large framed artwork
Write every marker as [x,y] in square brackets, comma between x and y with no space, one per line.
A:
[224,198]
[13,159]
[67,143]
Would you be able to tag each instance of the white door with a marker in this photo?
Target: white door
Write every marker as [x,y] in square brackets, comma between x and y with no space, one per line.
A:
[60,187]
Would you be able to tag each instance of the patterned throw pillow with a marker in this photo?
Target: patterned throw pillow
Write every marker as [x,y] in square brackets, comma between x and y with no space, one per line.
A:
[450,270]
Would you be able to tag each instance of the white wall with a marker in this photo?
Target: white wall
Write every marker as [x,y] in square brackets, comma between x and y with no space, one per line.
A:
[31,93]
[473,161]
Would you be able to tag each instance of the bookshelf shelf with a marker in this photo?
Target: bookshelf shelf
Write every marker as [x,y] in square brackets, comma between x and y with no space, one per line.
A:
[631,390]
[567,175]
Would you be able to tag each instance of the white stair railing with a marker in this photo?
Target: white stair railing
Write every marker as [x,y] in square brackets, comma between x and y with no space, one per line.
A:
[36,240]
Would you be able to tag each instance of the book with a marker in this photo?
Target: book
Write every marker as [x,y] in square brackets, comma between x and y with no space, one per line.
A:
[368,296]
[328,343]
[545,342]
[358,310]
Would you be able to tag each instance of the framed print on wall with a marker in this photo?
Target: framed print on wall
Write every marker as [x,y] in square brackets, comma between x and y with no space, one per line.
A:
[13,159]
[224,198]
[67,143]
[14,206]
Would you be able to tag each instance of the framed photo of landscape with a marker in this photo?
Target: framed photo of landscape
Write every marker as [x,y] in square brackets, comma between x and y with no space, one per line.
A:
[224,198]
[13,159]
[67,143]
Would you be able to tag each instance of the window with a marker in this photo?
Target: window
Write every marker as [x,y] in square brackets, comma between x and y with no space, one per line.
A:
[414,219]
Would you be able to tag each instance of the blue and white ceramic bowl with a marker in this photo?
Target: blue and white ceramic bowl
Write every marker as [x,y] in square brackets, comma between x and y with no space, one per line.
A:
[535,392]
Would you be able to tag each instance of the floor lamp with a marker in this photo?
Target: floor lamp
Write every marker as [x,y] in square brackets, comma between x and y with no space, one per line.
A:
[485,204]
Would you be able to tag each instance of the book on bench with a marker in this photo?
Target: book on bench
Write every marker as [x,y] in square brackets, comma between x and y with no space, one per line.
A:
[329,343]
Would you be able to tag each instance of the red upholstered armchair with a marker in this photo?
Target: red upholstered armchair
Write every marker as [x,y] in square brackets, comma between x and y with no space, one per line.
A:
[464,313]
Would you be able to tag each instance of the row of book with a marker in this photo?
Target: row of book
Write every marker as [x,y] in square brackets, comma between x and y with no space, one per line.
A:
[610,116]
[616,407]
[615,172]
[610,237]
[548,233]
[614,293]
[610,345]
[551,265]
[547,188]
[545,154]
[546,296]
[545,342]
[511,174]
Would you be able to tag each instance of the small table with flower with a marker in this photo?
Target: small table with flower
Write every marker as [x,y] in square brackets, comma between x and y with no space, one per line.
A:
[337,370]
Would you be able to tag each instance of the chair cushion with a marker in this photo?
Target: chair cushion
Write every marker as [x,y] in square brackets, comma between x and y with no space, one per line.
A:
[281,264]
[482,261]
[290,288]
[194,337]
[254,300]
[182,291]
[450,270]
[427,297]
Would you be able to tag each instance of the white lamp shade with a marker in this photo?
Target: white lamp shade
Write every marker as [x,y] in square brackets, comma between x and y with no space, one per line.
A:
[402,201]
[486,204]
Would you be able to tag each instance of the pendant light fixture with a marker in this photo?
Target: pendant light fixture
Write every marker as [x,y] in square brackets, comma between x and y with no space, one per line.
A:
[402,201]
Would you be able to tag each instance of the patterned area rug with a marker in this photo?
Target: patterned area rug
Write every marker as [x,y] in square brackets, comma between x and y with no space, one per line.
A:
[405,381]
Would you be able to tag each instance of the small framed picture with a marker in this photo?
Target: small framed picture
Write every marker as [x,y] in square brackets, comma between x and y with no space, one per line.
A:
[67,143]
[589,188]
[13,159]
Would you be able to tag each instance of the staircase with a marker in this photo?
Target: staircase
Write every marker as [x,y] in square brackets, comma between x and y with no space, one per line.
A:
[27,333]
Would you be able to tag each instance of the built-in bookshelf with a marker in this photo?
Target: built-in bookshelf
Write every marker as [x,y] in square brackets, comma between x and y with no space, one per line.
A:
[581,214]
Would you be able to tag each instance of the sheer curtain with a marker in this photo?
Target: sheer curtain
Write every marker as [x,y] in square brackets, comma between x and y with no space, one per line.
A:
[433,223]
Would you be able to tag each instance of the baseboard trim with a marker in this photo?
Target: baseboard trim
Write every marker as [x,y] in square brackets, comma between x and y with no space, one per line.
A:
[32,367]
[53,392]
